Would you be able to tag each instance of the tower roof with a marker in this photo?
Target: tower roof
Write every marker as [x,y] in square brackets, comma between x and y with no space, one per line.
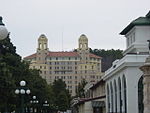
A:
[141,21]
[42,37]
[83,37]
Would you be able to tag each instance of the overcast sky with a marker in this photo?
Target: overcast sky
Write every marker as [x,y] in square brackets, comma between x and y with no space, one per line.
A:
[63,21]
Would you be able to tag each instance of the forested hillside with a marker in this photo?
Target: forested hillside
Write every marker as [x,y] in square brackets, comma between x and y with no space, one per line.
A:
[108,56]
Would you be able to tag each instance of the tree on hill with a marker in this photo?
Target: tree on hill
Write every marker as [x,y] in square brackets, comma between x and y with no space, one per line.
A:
[108,56]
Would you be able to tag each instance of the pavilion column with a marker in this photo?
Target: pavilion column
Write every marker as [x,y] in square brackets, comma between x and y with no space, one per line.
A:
[146,84]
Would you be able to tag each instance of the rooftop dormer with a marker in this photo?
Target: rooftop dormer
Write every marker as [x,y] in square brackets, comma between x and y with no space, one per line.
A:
[137,33]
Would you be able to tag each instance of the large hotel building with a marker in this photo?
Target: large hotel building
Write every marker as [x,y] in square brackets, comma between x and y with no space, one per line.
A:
[71,67]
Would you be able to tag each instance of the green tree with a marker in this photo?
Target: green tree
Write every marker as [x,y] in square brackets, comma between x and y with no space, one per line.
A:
[80,89]
[7,83]
[108,56]
[61,95]
[12,71]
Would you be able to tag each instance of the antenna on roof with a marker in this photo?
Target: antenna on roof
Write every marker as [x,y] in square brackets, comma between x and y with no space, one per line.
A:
[62,39]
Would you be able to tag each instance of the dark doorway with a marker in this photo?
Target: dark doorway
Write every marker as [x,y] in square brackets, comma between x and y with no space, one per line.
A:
[140,95]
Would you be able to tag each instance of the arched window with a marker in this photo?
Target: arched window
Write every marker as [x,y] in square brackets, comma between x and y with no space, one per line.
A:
[45,46]
[140,95]
[125,93]
[40,45]
[108,99]
[120,99]
[80,45]
[115,90]
[112,99]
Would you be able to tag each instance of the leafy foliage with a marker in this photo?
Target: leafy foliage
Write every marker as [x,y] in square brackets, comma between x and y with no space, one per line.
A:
[80,89]
[12,71]
[61,94]
[108,56]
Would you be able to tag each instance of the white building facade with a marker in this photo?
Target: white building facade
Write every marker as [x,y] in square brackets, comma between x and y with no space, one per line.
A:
[124,79]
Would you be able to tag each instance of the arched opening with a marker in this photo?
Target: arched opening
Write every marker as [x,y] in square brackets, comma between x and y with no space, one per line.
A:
[45,46]
[140,95]
[40,45]
[124,93]
[120,99]
[108,99]
[80,45]
[112,99]
[115,90]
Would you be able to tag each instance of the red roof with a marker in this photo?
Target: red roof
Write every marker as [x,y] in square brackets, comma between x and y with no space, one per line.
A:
[31,56]
[63,54]
[94,56]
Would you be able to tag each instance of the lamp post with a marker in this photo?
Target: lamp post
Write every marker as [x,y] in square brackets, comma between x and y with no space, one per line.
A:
[34,101]
[45,105]
[3,31]
[22,91]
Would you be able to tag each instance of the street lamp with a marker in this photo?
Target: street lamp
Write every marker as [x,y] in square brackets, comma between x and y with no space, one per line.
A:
[46,105]
[22,91]
[34,101]
[3,31]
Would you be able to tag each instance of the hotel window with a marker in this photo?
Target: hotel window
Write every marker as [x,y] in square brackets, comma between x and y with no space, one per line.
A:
[70,91]
[75,67]
[92,67]
[56,58]
[85,71]
[85,67]
[76,82]
[69,58]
